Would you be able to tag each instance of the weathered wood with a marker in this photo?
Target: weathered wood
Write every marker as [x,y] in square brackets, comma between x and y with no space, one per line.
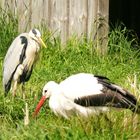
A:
[24,15]
[47,12]
[9,5]
[92,15]
[64,17]
[102,26]
[78,17]
[37,12]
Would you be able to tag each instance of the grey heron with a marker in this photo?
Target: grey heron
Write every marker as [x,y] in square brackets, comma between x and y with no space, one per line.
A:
[20,59]
[86,94]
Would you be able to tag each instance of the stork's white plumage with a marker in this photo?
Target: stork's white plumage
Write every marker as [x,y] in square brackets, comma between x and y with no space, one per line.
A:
[85,94]
[20,59]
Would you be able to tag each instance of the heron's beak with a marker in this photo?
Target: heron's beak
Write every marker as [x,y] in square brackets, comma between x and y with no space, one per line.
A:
[42,43]
[39,105]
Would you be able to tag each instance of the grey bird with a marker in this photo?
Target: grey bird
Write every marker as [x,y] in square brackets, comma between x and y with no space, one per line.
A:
[20,59]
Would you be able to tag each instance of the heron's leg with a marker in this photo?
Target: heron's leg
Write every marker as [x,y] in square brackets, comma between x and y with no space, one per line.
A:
[17,74]
[14,88]
[23,90]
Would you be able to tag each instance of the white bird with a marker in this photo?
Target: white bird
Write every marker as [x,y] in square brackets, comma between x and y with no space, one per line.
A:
[20,59]
[85,94]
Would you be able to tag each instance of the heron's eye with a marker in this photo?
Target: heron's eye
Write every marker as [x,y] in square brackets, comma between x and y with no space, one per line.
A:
[34,32]
[45,91]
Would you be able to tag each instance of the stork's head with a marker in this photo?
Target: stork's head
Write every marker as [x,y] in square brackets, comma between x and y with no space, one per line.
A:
[36,35]
[51,88]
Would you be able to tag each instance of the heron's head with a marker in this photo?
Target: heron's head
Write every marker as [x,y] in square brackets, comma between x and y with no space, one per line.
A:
[36,35]
[51,88]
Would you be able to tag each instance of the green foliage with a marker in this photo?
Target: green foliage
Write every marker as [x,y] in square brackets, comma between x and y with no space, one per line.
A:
[121,65]
[8,30]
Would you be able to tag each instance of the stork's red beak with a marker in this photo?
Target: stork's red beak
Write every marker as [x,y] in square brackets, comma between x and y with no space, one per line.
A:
[39,105]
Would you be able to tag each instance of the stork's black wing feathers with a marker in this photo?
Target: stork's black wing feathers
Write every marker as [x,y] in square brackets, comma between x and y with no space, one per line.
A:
[112,95]
[113,87]
[103,99]
[103,78]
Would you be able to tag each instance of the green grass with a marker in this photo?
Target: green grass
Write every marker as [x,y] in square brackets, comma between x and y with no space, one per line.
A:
[121,65]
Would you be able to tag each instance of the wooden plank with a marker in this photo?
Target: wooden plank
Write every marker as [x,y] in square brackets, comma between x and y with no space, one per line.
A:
[63,19]
[78,17]
[102,26]
[9,5]
[84,17]
[1,3]
[55,16]
[24,15]
[92,15]
[59,18]
[37,12]
[47,12]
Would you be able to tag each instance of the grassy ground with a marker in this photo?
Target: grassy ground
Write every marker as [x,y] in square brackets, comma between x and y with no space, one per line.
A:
[121,65]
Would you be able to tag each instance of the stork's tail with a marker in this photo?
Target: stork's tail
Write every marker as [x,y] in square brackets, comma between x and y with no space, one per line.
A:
[131,102]
[136,109]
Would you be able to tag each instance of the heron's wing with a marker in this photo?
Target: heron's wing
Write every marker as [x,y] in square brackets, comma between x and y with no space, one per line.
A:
[12,59]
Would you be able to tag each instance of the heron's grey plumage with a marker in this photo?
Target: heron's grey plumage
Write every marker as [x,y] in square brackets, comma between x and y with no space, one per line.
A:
[12,60]
[23,52]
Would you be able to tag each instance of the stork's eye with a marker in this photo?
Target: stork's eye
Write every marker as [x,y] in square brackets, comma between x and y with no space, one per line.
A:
[45,91]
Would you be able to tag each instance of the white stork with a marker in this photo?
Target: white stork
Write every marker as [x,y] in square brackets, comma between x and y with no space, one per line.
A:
[86,94]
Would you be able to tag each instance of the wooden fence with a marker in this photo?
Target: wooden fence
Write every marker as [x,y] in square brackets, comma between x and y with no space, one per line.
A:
[66,17]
